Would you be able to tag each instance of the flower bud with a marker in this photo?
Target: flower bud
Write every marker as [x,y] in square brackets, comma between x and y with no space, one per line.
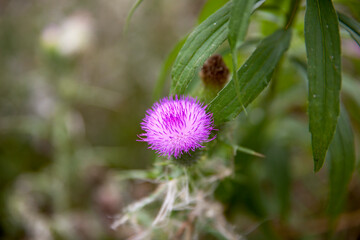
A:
[214,72]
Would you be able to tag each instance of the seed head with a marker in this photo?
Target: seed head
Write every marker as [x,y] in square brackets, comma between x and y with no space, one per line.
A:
[174,126]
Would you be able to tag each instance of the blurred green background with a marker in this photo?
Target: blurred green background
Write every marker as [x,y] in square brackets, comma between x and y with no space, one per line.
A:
[74,89]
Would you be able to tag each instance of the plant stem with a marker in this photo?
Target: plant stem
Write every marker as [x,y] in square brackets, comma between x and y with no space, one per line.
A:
[293,11]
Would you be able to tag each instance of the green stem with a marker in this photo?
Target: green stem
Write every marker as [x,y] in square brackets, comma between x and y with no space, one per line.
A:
[131,12]
[293,11]
[235,77]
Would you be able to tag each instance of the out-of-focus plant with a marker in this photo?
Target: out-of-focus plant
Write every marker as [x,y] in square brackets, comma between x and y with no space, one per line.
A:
[76,79]
[286,76]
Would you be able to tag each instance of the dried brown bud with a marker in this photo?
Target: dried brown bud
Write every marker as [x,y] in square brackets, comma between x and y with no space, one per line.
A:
[214,72]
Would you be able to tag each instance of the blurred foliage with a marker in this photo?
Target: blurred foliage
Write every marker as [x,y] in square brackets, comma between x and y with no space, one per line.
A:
[74,88]
[73,92]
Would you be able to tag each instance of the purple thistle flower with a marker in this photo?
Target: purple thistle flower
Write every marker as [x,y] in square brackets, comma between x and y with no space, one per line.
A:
[176,126]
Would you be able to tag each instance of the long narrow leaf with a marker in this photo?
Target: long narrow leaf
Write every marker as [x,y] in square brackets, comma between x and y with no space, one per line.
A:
[350,25]
[239,21]
[209,8]
[248,151]
[342,163]
[253,77]
[279,174]
[200,45]
[324,74]
[350,88]
[238,25]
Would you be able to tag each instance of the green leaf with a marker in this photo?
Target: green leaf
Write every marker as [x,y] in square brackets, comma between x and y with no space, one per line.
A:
[350,25]
[212,5]
[200,45]
[247,151]
[238,25]
[350,87]
[279,175]
[352,5]
[341,163]
[160,82]
[324,62]
[239,21]
[209,8]
[253,77]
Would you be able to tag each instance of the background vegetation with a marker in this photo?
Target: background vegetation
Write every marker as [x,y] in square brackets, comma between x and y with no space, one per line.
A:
[74,88]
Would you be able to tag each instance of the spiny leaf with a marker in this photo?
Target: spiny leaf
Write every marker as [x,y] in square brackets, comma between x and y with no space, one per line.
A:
[253,77]
[324,63]
[200,45]
[341,163]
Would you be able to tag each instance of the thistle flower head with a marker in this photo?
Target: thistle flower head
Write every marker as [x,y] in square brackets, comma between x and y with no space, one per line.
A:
[174,126]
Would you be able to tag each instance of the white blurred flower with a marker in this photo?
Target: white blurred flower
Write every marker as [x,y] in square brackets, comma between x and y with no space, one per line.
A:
[72,36]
